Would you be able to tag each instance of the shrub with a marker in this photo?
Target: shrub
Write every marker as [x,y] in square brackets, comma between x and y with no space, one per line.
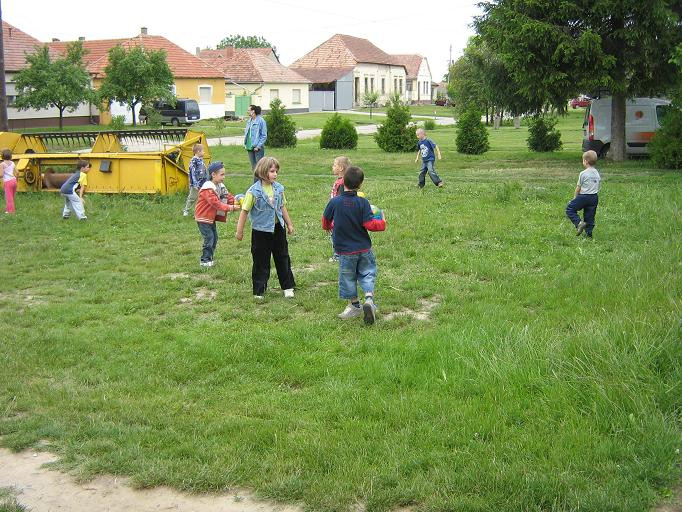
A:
[472,135]
[666,146]
[542,136]
[430,124]
[153,117]
[338,133]
[396,134]
[117,122]
[219,124]
[281,128]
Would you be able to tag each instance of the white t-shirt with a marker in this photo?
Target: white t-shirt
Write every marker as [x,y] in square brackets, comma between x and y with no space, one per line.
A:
[8,171]
[588,181]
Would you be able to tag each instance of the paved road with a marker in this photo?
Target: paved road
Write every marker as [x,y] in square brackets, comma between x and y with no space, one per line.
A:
[366,129]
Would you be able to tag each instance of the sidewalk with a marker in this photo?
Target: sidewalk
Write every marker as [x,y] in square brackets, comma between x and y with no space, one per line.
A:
[367,129]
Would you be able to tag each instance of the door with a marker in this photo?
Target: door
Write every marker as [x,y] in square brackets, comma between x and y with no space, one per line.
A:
[241,105]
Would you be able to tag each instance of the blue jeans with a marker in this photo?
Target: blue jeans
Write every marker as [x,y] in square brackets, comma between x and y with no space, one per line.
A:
[588,203]
[210,234]
[428,167]
[254,156]
[354,269]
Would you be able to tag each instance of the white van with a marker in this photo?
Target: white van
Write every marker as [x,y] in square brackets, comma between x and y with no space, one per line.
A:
[642,117]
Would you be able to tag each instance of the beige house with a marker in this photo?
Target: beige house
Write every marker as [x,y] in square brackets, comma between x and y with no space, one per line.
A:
[255,76]
[418,80]
[353,67]
[17,45]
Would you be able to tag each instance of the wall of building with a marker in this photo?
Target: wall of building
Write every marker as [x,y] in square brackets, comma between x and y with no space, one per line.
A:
[424,83]
[368,77]
[211,106]
[263,94]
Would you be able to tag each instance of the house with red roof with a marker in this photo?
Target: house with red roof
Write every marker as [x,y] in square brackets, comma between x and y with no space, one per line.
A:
[418,79]
[17,44]
[344,68]
[255,76]
[194,78]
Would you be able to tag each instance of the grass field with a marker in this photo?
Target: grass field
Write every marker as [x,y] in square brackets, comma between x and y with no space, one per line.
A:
[513,366]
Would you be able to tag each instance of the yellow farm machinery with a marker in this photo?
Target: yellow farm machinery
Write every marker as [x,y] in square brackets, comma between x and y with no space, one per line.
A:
[124,161]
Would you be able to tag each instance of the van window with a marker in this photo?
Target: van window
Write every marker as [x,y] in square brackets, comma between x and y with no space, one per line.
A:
[191,108]
[661,111]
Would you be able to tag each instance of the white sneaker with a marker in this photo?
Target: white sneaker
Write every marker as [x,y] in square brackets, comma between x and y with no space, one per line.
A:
[350,312]
[289,293]
[258,297]
[206,263]
[185,214]
[369,309]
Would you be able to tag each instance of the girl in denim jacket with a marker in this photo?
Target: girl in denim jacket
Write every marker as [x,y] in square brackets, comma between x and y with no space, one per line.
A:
[265,205]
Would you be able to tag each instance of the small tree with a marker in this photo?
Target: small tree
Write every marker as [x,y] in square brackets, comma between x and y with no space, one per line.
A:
[63,83]
[472,136]
[666,146]
[370,100]
[281,128]
[542,137]
[136,76]
[338,133]
[396,134]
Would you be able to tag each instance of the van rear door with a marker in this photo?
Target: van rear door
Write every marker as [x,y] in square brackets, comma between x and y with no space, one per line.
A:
[640,126]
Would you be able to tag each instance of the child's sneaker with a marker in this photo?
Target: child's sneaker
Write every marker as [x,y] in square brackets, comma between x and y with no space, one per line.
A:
[258,297]
[289,293]
[350,312]
[369,310]
[580,227]
[206,263]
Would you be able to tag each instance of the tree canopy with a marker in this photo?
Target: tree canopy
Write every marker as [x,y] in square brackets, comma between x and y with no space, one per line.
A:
[136,76]
[239,41]
[555,50]
[62,83]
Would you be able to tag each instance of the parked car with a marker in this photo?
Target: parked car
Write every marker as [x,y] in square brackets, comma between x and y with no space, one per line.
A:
[441,102]
[642,119]
[185,111]
[580,102]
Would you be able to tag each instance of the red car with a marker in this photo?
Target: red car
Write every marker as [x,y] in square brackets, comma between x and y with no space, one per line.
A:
[580,102]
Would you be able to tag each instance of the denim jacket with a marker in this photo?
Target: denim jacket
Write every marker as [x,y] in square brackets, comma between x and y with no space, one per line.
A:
[259,132]
[262,215]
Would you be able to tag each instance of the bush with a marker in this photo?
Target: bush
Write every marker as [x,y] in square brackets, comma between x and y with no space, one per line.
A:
[430,124]
[472,135]
[338,133]
[542,136]
[666,146]
[396,134]
[281,128]
[117,122]
[153,117]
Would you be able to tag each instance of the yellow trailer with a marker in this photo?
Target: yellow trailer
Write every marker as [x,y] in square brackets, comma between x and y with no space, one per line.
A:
[125,161]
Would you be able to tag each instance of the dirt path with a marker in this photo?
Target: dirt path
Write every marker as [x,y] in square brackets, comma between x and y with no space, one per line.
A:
[44,490]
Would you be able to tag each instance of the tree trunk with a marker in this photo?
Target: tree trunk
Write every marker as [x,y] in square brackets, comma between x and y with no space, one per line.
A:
[618,127]
[517,122]
[61,118]
[133,109]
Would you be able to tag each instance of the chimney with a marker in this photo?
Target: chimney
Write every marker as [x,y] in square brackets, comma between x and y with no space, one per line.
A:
[143,31]
[81,38]
[198,51]
[55,39]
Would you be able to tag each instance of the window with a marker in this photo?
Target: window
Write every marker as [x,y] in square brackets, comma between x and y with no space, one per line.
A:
[357,88]
[366,88]
[395,85]
[408,85]
[274,93]
[371,84]
[174,90]
[400,86]
[383,86]
[296,96]
[205,93]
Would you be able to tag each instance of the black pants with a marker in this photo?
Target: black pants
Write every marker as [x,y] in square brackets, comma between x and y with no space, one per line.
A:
[263,245]
[210,234]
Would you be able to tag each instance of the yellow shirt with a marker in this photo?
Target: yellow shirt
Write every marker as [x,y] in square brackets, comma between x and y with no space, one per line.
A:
[83,180]
[248,201]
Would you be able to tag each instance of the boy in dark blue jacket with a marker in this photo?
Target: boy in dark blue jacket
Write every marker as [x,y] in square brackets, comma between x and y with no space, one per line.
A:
[352,218]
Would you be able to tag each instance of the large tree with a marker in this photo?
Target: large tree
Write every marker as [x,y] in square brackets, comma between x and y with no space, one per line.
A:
[136,76]
[239,41]
[62,83]
[555,50]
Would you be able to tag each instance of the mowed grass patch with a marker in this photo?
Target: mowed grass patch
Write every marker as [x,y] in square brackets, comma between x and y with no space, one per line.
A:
[542,373]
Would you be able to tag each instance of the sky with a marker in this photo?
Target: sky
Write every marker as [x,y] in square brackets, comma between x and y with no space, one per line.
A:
[294,27]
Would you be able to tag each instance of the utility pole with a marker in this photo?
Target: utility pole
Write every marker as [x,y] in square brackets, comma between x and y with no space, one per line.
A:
[4,126]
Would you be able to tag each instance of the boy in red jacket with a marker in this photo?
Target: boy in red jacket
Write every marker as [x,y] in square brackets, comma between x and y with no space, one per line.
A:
[208,205]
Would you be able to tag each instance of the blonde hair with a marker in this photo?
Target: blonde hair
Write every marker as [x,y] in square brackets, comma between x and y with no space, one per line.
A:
[196,148]
[263,166]
[343,161]
[590,157]
[420,130]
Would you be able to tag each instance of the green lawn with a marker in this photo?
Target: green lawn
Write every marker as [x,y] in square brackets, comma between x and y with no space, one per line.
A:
[421,110]
[522,368]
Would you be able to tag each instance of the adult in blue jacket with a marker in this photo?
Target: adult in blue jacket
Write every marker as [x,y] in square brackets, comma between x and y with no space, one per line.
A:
[255,135]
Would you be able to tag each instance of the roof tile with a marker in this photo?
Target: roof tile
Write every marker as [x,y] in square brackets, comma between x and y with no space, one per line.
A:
[250,65]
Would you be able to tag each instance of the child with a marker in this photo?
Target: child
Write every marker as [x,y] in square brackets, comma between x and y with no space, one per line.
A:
[339,166]
[9,180]
[265,205]
[206,209]
[352,218]
[77,182]
[586,196]
[426,149]
[197,177]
